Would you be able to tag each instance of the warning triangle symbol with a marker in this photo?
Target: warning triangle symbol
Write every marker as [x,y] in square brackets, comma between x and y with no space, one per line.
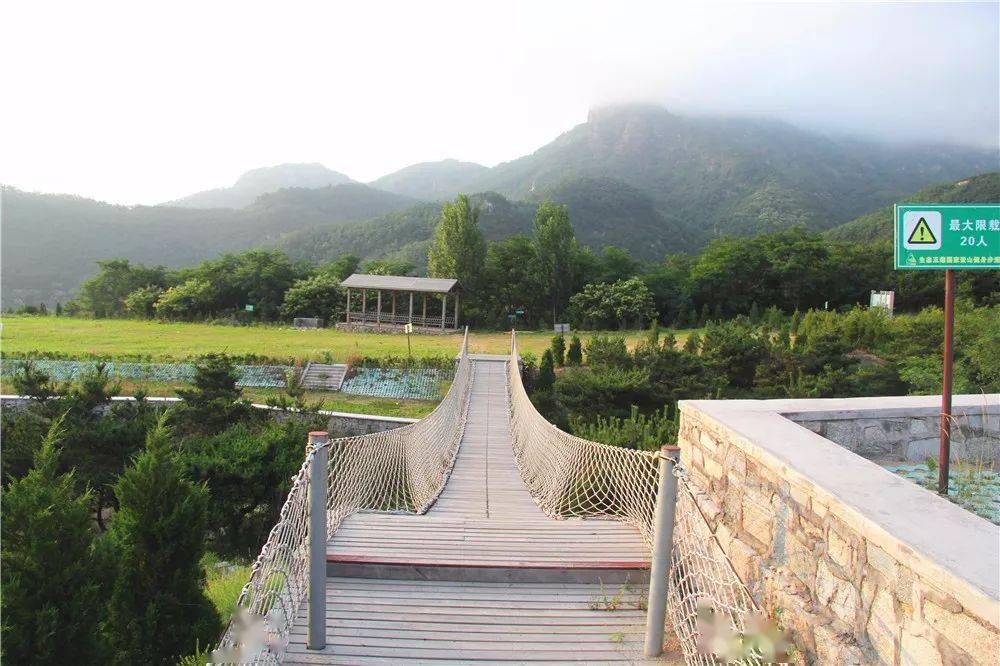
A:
[922,234]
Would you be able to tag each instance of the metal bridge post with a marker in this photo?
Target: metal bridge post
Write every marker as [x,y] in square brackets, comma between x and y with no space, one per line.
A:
[663,539]
[317,539]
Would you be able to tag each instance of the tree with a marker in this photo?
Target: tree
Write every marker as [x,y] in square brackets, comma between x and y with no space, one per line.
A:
[59,309]
[104,294]
[142,301]
[388,267]
[458,249]
[623,303]
[343,267]
[546,372]
[157,610]
[559,349]
[511,273]
[186,300]
[52,604]
[318,296]
[214,402]
[574,355]
[555,244]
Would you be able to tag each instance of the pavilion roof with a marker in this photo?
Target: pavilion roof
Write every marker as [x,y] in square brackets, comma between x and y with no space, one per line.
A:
[401,283]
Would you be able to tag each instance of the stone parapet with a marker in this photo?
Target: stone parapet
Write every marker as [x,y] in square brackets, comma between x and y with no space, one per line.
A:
[858,564]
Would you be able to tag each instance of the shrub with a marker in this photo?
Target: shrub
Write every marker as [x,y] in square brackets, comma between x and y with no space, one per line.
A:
[610,351]
[546,372]
[638,431]
[559,349]
[574,355]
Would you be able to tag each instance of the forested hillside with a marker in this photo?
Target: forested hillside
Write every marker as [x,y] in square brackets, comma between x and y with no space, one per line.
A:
[636,177]
[731,176]
[431,181]
[50,243]
[878,225]
[254,183]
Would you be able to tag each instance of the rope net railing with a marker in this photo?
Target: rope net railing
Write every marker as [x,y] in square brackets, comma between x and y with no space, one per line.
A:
[708,606]
[401,470]
[573,477]
[568,476]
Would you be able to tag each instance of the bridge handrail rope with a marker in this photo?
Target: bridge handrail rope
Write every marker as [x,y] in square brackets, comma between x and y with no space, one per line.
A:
[573,477]
[398,471]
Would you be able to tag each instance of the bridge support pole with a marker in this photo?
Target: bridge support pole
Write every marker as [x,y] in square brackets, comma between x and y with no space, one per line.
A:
[317,539]
[663,540]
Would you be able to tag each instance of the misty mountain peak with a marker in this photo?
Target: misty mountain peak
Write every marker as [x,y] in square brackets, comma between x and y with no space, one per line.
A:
[264,180]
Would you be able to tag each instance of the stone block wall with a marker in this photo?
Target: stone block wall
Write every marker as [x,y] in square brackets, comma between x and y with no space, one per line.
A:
[846,592]
[975,434]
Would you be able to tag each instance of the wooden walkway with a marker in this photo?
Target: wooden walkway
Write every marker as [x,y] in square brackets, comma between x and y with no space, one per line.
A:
[484,576]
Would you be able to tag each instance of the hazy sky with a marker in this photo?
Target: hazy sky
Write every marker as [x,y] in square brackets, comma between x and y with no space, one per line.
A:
[135,103]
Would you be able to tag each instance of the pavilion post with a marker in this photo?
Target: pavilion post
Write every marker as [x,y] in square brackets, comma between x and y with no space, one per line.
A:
[444,308]
[393,307]
[411,308]
[456,309]
[364,305]
[378,310]
[423,300]
[348,305]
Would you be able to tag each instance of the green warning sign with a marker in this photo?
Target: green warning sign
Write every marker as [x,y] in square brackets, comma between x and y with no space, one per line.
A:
[939,236]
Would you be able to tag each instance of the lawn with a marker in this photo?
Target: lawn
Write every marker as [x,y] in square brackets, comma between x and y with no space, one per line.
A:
[72,338]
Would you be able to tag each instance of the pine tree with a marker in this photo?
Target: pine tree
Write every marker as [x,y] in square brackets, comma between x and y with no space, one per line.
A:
[546,372]
[214,402]
[158,610]
[52,605]
[653,336]
[559,349]
[59,309]
[574,355]
[705,314]
[796,320]
[692,344]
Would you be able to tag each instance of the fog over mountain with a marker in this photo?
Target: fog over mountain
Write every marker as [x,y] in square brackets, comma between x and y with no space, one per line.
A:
[371,88]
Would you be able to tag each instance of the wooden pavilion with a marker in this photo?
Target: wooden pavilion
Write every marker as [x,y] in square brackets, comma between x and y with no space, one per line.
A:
[395,309]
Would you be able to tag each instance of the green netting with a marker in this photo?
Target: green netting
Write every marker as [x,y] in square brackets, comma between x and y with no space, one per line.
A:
[413,384]
[973,488]
[252,376]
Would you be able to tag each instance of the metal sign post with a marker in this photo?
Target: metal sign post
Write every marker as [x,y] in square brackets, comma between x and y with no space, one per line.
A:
[948,237]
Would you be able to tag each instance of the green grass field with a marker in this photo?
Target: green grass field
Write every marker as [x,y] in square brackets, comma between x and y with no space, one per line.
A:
[170,341]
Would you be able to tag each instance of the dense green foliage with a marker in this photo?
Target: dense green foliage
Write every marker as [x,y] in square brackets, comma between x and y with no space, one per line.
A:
[131,590]
[157,609]
[51,572]
[857,353]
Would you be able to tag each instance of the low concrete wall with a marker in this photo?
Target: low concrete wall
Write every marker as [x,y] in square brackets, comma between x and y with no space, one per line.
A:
[860,565]
[341,424]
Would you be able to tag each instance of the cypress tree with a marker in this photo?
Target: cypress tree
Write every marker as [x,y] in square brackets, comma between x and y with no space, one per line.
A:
[546,372]
[692,344]
[574,355]
[559,349]
[52,606]
[158,610]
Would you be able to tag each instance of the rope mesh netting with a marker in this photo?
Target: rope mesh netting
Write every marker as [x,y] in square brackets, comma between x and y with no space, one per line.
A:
[401,470]
[409,383]
[573,477]
[250,376]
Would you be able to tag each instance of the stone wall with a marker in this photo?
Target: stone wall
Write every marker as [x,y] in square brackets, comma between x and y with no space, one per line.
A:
[858,565]
[911,436]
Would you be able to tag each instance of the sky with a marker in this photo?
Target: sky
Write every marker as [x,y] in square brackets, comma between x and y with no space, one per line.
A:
[141,102]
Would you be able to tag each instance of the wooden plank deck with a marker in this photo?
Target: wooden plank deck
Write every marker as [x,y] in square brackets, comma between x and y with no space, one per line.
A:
[484,576]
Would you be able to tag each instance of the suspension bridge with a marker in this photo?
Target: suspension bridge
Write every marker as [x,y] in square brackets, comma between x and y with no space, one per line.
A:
[484,534]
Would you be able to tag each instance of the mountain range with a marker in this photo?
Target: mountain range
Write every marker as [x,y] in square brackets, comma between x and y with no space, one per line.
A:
[638,177]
